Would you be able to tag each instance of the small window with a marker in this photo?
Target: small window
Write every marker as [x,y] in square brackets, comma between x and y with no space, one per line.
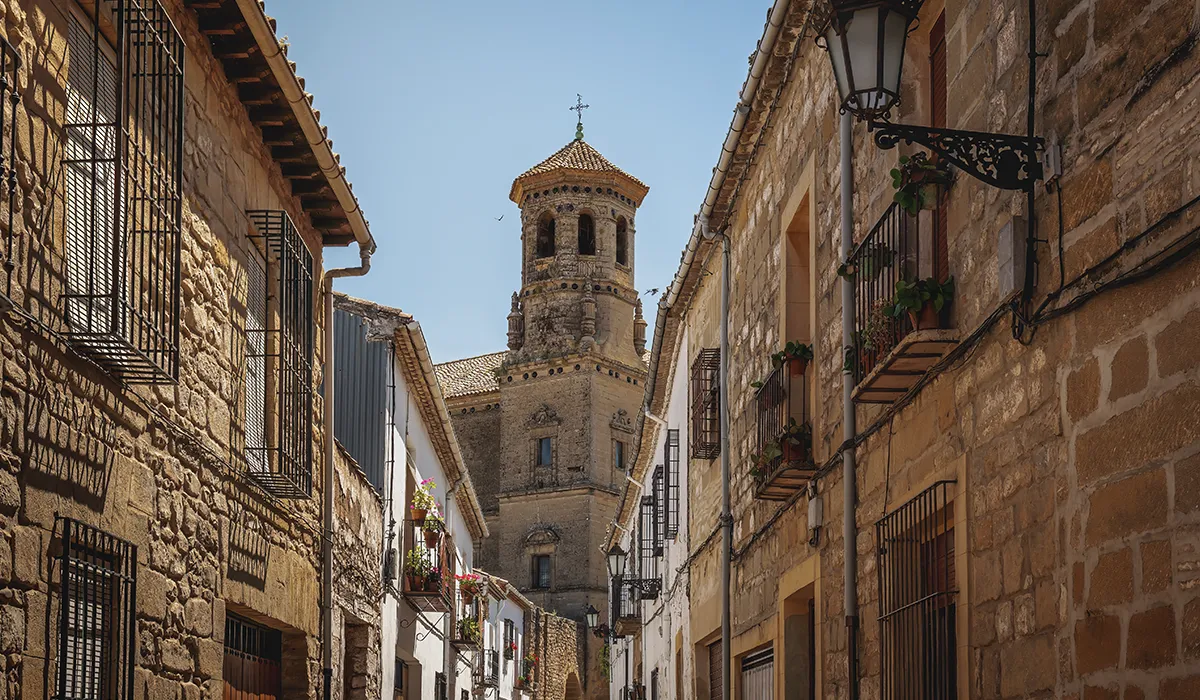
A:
[545,236]
[97,637]
[510,640]
[672,477]
[441,691]
[257,652]
[705,428]
[587,235]
[622,242]
[618,455]
[545,452]
[398,680]
[540,572]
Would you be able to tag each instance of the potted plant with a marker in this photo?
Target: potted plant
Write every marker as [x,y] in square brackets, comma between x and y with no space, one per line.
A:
[795,355]
[922,301]
[433,582]
[914,182]
[870,261]
[468,629]
[416,569]
[422,500]
[796,441]
[510,651]
[431,527]
[470,585]
[763,462]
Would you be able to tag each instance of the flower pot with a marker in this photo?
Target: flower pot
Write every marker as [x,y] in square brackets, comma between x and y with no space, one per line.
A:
[793,452]
[415,582]
[431,538]
[927,319]
[418,515]
[468,597]
[432,585]
[797,365]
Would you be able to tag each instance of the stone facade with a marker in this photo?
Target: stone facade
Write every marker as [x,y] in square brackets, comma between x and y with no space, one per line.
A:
[573,373]
[1071,452]
[162,466]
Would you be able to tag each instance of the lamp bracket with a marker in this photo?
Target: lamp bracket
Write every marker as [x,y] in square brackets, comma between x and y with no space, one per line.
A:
[1001,160]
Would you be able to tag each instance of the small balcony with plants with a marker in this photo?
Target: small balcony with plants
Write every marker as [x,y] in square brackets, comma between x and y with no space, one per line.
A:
[626,609]
[487,671]
[429,582]
[903,293]
[782,464]
[468,628]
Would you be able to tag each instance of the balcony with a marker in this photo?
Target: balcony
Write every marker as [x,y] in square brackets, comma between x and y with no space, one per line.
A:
[428,583]
[487,672]
[626,608]
[468,629]
[783,464]
[891,354]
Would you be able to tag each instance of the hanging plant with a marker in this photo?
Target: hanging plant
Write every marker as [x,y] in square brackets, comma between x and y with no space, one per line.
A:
[471,586]
[915,182]
[422,500]
[795,355]
[432,527]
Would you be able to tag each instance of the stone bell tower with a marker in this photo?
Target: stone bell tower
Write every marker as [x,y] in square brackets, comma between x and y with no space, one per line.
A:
[547,426]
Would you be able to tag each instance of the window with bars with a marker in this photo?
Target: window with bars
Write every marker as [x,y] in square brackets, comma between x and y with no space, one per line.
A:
[278,364]
[510,640]
[648,554]
[441,690]
[706,405]
[658,487]
[918,597]
[123,175]
[671,473]
[540,571]
[253,657]
[398,680]
[97,633]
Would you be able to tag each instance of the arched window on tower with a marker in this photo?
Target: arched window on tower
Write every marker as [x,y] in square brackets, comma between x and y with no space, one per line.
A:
[587,235]
[545,236]
[622,242]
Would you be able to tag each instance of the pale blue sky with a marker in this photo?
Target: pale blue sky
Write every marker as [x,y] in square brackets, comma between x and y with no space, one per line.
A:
[435,106]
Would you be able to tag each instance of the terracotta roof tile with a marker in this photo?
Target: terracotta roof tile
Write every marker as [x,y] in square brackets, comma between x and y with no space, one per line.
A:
[472,375]
[578,155]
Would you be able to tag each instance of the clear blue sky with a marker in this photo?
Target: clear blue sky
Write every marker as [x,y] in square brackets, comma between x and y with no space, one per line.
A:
[435,106]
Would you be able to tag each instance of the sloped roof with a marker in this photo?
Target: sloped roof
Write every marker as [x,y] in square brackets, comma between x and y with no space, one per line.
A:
[472,375]
[578,156]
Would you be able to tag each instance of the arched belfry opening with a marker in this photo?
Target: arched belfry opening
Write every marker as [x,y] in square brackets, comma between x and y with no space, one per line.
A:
[545,236]
[587,235]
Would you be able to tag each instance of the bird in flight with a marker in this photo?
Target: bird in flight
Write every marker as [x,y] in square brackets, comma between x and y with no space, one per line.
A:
[501,218]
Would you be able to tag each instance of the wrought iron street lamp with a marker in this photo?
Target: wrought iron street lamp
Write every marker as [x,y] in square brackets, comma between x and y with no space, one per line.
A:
[865,40]
[616,561]
[593,616]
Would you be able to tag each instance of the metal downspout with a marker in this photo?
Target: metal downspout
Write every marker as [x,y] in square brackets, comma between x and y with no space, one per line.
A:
[364,253]
[849,427]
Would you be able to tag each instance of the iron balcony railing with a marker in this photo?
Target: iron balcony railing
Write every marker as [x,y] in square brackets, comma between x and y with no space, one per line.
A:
[784,461]
[895,249]
[488,671]
[428,583]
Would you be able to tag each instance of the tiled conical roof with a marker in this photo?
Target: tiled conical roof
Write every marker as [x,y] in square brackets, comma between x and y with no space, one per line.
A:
[580,157]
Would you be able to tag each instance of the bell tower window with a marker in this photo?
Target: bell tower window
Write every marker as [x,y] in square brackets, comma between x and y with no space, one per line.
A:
[545,236]
[622,242]
[587,235]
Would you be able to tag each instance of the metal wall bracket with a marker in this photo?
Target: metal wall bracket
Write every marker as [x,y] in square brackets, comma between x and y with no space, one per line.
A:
[1001,160]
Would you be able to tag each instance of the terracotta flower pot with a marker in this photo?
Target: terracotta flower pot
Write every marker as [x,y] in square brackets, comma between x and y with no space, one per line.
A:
[468,597]
[418,515]
[927,319]
[415,583]
[431,538]
[797,366]
[431,585]
[793,452]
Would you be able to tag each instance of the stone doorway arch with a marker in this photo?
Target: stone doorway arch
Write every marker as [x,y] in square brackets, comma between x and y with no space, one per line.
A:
[573,690]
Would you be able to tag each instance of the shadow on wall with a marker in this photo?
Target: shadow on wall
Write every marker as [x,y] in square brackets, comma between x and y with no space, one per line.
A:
[249,548]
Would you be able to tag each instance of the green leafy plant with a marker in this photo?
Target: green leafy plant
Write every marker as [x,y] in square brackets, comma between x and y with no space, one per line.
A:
[793,350]
[422,499]
[468,628]
[877,332]
[433,520]
[911,297]
[417,564]
[872,259]
[761,462]
[914,182]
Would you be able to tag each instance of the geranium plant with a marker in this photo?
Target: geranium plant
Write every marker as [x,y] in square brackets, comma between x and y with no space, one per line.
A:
[422,500]
[471,586]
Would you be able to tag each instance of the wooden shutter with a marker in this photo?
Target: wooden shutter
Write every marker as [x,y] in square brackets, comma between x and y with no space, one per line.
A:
[937,118]
[715,659]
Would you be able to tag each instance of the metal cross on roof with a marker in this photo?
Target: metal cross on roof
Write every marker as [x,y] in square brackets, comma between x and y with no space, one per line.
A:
[578,108]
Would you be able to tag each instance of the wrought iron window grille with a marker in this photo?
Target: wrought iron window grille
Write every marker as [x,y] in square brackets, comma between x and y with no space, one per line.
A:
[659,489]
[488,669]
[10,97]
[123,164]
[253,657]
[97,634]
[672,486]
[918,597]
[705,404]
[510,639]
[279,359]
[649,581]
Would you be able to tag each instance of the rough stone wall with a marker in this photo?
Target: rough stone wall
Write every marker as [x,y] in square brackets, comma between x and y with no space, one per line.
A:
[357,582]
[558,674]
[1077,449]
[151,465]
[476,421]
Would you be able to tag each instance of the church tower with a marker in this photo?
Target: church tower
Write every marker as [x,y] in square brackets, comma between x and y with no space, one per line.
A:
[547,426]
